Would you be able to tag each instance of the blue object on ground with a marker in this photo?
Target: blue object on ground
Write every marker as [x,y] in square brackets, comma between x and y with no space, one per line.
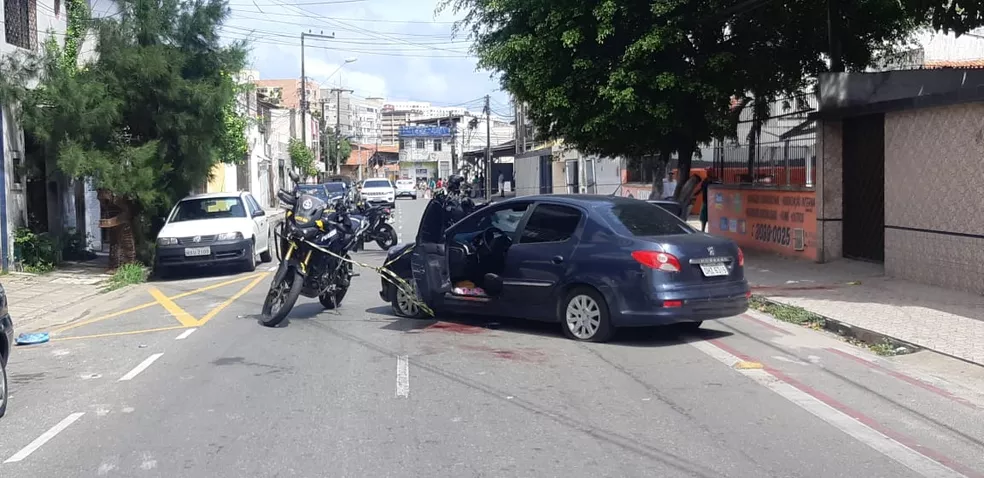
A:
[31,339]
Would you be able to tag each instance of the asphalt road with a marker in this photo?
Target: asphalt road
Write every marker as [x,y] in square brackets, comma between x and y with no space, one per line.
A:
[184,383]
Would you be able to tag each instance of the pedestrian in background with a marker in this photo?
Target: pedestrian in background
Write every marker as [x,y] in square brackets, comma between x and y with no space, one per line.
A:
[704,187]
[502,181]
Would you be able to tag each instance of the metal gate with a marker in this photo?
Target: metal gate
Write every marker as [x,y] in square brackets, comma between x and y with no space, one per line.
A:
[573,177]
[546,174]
[864,187]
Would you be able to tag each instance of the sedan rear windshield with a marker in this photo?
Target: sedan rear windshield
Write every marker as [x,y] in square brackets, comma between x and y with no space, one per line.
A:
[377,183]
[640,218]
[208,208]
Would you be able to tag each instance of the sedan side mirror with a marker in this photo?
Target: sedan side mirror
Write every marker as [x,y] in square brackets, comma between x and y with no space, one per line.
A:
[294,176]
[259,213]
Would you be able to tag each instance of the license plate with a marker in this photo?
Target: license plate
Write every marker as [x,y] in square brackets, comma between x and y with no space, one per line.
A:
[197,251]
[714,270]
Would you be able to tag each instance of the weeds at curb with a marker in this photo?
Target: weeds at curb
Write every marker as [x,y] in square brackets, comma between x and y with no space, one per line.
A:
[800,316]
[127,274]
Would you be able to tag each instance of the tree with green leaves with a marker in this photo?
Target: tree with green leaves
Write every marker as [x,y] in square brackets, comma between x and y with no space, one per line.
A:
[146,119]
[646,79]
[301,158]
[330,153]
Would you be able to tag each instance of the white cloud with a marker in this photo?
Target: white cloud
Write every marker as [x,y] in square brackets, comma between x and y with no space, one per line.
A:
[404,51]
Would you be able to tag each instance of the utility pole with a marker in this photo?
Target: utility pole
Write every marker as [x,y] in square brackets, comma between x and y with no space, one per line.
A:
[338,127]
[324,122]
[454,150]
[304,104]
[488,150]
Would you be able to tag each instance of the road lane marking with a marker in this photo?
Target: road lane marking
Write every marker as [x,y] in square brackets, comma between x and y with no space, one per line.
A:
[185,334]
[272,268]
[117,334]
[176,311]
[900,376]
[44,438]
[402,376]
[152,303]
[897,447]
[140,368]
[212,313]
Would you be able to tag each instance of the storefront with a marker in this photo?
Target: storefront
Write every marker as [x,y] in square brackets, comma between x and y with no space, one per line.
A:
[782,221]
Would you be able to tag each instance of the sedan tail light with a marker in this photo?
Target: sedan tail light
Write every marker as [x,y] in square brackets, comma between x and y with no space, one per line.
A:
[741,258]
[660,261]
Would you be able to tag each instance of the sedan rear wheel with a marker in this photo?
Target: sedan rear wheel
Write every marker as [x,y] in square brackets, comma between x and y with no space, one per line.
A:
[584,315]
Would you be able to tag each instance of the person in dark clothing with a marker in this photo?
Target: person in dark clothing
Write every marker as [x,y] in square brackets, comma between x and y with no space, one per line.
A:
[704,187]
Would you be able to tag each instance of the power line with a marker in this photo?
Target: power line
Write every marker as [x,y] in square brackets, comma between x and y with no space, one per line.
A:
[354,19]
[242,16]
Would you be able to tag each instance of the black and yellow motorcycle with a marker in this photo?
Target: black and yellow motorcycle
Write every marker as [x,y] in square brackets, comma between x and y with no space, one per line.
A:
[313,245]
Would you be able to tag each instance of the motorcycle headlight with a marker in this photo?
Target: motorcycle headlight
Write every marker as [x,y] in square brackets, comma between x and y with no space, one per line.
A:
[167,241]
[229,236]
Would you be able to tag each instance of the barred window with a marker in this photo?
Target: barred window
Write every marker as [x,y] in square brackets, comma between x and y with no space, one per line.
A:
[20,23]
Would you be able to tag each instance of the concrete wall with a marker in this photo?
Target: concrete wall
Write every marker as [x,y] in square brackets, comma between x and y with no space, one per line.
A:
[934,230]
[839,90]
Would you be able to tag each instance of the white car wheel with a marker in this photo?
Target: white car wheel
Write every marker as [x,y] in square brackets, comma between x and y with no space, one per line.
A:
[585,316]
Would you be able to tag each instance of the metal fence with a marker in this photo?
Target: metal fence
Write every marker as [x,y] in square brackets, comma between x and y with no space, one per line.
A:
[784,152]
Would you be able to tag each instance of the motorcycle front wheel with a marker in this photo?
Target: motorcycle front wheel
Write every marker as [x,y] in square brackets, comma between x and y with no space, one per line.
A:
[284,291]
[386,237]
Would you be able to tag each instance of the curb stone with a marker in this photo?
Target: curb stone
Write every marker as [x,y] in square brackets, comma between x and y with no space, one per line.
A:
[843,329]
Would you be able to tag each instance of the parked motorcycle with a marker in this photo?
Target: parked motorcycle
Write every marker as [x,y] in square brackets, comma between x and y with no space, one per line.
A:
[378,228]
[312,241]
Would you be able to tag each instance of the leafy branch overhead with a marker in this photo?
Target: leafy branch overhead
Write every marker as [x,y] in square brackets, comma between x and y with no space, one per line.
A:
[629,78]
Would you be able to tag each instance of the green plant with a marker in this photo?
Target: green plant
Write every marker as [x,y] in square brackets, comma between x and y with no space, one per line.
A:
[37,253]
[127,274]
[302,158]
[787,313]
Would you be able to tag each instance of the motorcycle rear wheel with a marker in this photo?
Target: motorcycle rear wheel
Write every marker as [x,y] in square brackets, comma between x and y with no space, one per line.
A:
[326,299]
[386,237]
[284,290]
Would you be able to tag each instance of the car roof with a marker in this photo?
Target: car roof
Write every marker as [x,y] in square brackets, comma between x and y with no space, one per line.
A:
[215,195]
[583,200]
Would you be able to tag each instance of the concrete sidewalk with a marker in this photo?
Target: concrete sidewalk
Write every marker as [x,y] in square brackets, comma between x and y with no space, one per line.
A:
[858,294]
[36,301]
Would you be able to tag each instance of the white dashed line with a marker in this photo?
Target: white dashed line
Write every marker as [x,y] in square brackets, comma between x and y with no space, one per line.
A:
[140,368]
[185,334]
[44,438]
[272,268]
[402,376]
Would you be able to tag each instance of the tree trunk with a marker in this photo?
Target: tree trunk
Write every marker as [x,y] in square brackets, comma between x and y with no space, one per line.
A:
[685,153]
[117,216]
[658,166]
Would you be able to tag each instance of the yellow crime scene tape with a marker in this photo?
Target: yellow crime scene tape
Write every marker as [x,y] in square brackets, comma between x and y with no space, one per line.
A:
[384,272]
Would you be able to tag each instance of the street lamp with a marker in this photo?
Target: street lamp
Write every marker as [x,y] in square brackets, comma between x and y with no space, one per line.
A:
[338,114]
[348,60]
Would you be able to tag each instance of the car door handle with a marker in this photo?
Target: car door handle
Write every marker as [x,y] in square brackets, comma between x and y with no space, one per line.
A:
[557,259]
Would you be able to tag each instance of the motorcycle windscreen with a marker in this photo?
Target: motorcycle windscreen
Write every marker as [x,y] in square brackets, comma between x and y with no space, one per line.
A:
[429,265]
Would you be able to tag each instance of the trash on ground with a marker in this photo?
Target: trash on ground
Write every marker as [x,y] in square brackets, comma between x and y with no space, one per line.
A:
[32,339]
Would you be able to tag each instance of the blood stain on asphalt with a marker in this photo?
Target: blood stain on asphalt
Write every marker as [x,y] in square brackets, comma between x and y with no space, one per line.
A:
[516,355]
[457,328]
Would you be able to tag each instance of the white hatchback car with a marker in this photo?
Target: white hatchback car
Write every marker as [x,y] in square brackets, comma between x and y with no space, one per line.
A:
[379,191]
[214,229]
[406,187]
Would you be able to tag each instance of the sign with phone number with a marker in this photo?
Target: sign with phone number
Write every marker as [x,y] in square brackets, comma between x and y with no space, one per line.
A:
[772,234]
[766,220]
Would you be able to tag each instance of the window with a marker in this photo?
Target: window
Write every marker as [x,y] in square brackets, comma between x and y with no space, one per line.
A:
[437,145]
[421,144]
[640,218]
[551,223]
[377,183]
[403,144]
[506,220]
[208,208]
[20,23]
[251,206]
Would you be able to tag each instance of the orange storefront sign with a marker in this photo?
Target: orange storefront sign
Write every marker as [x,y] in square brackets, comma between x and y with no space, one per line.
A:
[784,222]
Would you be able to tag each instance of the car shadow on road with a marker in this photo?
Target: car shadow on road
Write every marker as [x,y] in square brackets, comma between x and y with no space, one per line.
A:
[194,273]
[633,337]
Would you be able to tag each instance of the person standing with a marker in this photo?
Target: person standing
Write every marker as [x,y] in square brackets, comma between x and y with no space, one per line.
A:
[704,188]
[502,181]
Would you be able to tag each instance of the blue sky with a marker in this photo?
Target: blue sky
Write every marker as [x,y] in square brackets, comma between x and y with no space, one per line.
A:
[404,49]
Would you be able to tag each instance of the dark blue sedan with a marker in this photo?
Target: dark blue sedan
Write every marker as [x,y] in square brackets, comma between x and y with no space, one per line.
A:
[592,263]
